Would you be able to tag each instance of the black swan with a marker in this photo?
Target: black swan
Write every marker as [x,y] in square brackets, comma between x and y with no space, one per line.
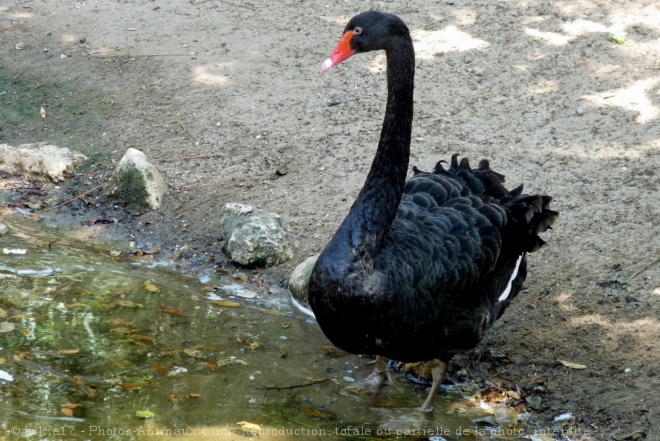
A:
[420,269]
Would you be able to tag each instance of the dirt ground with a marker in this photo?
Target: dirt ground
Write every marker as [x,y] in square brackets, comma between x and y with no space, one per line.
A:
[221,94]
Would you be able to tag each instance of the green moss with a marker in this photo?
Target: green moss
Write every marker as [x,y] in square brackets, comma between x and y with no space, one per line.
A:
[130,187]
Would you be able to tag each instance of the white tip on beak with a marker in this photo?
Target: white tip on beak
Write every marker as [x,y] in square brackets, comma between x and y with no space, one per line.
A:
[327,64]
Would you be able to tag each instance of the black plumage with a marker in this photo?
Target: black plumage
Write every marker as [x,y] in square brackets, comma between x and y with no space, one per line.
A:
[419,270]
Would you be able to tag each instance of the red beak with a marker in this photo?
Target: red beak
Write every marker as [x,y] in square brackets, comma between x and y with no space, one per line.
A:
[341,52]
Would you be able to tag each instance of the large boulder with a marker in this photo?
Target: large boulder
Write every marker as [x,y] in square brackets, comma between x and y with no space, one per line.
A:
[299,280]
[136,181]
[254,237]
[39,160]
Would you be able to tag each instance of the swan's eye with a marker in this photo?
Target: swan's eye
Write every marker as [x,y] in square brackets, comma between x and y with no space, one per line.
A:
[357,31]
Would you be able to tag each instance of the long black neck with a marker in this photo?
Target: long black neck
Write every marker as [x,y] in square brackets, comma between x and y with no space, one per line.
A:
[376,205]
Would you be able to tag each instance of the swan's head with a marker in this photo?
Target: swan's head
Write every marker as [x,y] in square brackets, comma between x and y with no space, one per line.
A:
[367,31]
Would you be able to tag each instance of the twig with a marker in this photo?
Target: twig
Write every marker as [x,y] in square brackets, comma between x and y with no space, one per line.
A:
[187,158]
[194,138]
[199,2]
[294,386]
[179,213]
[642,269]
[17,75]
[80,196]
[137,55]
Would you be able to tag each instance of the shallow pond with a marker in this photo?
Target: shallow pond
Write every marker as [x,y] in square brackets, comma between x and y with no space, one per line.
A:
[96,346]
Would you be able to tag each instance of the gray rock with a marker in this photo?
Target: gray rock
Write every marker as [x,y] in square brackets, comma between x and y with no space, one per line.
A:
[299,279]
[136,181]
[254,237]
[39,160]
[4,229]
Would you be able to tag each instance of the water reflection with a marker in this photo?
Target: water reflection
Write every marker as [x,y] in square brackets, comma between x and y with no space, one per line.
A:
[92,346]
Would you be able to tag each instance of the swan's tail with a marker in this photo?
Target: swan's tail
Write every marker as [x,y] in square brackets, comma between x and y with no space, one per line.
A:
[530,214]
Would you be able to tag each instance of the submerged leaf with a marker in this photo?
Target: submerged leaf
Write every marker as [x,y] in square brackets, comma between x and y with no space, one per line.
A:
[144,414]
[171,311]
[69,351]
[225,303]
[127,304]
[151,286]
[321,414]
[160,368]
[68,408]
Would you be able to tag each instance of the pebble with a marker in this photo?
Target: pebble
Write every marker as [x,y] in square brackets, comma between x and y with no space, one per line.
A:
[20,45]
[563,417]
[4,229]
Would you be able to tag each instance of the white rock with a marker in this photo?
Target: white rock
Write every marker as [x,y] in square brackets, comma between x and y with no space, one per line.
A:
[39,160]
[4,229]
[299,280]
[254,237]
[136,181]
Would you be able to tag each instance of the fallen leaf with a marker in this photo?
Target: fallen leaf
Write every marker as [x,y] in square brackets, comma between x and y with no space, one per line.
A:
[140,337]
[133,386]
[171,311]
[173,398]
[69,351]
[210,288]
[21,356]
[151,286]
[286,325]
[572,365]
[144,414]
[249,427]
[493,395]
[160,368]
[66,412]
[42,112]
[254,345]
[142,344]
[321,414]
[91,393]
[120,322]
[121,330]
[127,304]
[225,303]
[194,353]
[195,396]
[212,366]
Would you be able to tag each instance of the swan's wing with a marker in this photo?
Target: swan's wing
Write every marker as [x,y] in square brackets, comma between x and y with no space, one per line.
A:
[453,225]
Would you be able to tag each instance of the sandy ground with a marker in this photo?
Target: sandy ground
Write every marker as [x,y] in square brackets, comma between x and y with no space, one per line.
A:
[220,94]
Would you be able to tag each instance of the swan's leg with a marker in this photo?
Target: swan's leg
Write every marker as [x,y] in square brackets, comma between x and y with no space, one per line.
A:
[439,373]
[381,375]
[377,379]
